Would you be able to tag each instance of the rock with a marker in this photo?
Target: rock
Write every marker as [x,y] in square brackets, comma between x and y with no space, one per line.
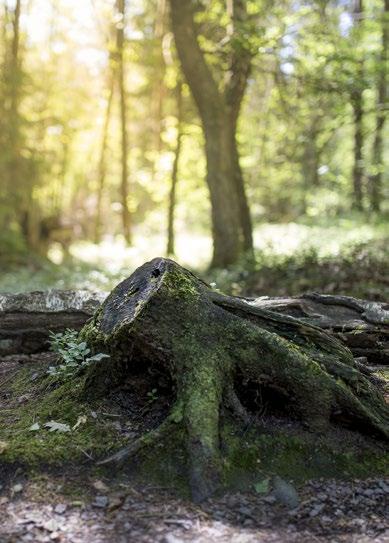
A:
[285,492]
[60,508]
[101,502]
[316,510]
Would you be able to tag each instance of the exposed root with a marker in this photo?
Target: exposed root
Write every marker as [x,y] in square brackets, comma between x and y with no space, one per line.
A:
[149,439]
[238,410]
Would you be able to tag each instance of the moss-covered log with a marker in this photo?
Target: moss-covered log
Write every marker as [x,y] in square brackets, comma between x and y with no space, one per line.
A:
[27,318]
[361,325]
[216,350]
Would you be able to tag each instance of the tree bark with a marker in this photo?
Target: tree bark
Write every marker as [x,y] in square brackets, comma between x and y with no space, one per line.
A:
[173,188]
[212,347]
[382,93]
[102,168]
[126,219]
[231,222]
[357,105]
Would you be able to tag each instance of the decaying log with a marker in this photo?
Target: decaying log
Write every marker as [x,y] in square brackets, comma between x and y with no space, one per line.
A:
[214,348]
[26,319]
[361,325]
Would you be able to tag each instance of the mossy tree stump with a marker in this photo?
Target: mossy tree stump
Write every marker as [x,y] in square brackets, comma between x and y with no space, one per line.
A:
[213,347]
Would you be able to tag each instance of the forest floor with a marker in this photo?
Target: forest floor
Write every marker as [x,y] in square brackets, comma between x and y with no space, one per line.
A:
[75,504]
[329,511]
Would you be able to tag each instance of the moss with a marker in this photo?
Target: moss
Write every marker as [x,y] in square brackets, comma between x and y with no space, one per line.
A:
[298,455]
[41,404]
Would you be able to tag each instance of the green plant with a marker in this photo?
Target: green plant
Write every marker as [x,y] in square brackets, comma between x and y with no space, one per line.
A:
[152,396]
[73,353]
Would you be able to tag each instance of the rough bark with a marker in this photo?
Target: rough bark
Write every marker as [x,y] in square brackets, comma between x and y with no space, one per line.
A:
[360,325]
[212,347]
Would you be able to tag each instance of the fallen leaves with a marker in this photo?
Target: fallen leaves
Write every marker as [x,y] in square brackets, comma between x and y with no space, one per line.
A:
[3,446]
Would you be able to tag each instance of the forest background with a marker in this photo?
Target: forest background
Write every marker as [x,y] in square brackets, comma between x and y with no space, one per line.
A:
[249,135]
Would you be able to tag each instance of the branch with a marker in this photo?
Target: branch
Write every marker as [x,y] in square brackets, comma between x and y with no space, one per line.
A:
[196,70]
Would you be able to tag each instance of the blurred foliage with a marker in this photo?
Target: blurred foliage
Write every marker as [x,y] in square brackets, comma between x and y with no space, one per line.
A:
[346,258]
[296,130]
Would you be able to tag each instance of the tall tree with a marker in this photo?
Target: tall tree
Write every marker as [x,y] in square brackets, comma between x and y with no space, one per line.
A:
[219,112]
[102,167]
[124,189]
[357,105]
[382,97]
[170,250]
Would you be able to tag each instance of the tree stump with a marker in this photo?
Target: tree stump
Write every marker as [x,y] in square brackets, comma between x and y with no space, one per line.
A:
[214,348]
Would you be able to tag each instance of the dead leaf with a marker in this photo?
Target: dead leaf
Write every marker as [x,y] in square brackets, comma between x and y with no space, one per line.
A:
[99,485]
[17,488]
[57,426]
[34,427]
[3,446]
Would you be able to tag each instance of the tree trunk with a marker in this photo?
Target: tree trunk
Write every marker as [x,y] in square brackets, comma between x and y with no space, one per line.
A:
[173,188]
[231,223]
[378,144]
[214,349]
[102,168]
[357,105]
[126,219]
[226,232]
[358,156]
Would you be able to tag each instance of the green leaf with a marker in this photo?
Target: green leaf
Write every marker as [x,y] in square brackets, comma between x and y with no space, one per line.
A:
[262,487]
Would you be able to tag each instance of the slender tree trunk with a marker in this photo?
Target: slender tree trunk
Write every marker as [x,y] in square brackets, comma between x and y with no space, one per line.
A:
[378,144]
[358,156]
[13,70]
[102,163]
[159,91]
[357,105]
[173,188]
[124,191]
[244,209]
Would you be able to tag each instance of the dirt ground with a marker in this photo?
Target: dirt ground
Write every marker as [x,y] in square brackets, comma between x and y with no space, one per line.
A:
[41,510]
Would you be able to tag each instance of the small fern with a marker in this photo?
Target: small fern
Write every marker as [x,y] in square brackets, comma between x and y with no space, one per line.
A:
[73,353]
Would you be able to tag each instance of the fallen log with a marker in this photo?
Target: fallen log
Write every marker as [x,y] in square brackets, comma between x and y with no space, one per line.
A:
[360,325]
[26,319]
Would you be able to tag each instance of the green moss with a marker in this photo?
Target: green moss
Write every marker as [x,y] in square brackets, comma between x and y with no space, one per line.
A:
[298,456]
[41,404]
